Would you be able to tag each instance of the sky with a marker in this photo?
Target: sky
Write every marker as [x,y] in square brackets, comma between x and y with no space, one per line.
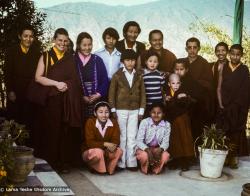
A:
[48,3]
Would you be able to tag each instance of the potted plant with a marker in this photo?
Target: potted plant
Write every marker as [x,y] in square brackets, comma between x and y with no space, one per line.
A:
[16,161]
[213,151]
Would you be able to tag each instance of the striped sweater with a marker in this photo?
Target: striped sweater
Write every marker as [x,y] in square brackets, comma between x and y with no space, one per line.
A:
[153,82]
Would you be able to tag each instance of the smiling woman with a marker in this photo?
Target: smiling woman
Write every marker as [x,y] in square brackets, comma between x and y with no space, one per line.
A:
[57,78]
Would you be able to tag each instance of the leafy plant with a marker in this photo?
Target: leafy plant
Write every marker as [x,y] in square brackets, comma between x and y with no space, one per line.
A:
[214,138]
[10,131]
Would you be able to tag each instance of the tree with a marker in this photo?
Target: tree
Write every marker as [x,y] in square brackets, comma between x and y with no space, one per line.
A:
[14,14]
[215,34]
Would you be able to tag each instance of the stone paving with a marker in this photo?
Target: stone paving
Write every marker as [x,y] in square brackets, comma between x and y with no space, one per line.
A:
[169,183]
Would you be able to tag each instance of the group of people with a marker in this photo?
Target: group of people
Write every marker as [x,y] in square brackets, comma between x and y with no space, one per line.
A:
[123,104]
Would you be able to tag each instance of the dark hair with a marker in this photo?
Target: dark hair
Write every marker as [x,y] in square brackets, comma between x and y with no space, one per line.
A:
[102,104]
[25,27]
[156,105]
[70,47]
[80,37]
[181,61]
[150,53]
[221,44]
[154,31]
[111,32]
[128,24]
[128,54]
[237,47]
[60,31]
[194,39]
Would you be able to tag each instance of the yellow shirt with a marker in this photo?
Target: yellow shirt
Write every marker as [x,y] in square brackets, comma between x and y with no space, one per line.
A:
[59,54]
[24,49]
[232,67]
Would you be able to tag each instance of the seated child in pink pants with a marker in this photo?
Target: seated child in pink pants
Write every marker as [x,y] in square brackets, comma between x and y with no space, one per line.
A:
[102,137]
[153,140]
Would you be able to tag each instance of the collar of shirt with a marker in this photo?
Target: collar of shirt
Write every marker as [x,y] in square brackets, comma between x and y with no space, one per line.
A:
[84,59]
[161,123]
[126,71]
[232,67]
[115,51]
[146,71]
[24,49]
[126,46]
[99,126]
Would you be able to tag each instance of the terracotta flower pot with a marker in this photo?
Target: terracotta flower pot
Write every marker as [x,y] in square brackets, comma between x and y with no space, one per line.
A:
[24,162]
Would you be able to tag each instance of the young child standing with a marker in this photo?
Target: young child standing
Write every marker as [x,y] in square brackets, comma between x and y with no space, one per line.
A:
[127,99]
[153,79]
[181,140]
[153,141]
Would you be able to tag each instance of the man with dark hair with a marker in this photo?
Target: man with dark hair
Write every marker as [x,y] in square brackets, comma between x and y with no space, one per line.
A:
[201,72]
[131,30]
[19,69]
[235,95]
[167,58]
[109,54]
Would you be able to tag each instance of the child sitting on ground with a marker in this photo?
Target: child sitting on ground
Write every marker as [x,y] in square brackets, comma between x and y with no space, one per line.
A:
[102,137]
[153,140]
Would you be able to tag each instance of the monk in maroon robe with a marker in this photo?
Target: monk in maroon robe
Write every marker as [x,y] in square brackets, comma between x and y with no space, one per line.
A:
[19,69]
[201,72]
[235,94]
[60,103]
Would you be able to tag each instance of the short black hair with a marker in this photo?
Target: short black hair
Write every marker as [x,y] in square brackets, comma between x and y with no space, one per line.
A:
[156,105]
[111,32]
[221,44]
[128,54]
[60,31]
[237,47]
[25,27]
[154,31]
[150,53]
[194,39]
[128,24]
[102,104]
[80,37]
[181,61]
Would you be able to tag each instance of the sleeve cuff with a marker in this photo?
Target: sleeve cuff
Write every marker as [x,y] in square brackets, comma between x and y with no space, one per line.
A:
[141,111]
[113,110]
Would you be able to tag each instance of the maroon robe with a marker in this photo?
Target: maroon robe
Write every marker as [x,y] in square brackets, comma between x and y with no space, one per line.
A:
[19,69]
[235,92]
[57,113]
[202,114]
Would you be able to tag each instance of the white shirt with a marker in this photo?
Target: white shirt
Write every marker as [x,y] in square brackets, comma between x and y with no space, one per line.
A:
[129,76]
[111,61]
[126,46]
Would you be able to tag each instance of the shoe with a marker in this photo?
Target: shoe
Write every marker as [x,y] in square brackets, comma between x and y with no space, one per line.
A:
[119,169]
[233,163]
[133,169]
[184,163]
[65,169]
[173,164]
[184,168]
